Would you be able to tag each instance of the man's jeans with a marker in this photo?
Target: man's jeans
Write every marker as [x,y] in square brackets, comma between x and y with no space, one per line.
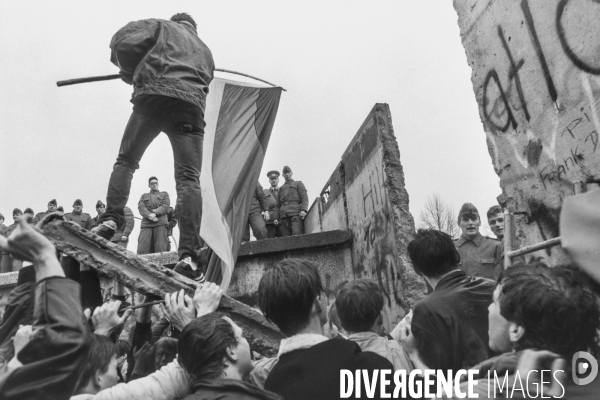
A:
[187,152]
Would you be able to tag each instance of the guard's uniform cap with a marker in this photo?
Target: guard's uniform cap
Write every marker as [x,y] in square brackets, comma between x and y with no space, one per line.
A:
[468,210]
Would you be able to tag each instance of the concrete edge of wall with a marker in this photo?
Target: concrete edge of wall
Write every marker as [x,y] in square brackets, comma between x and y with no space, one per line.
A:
[292,243]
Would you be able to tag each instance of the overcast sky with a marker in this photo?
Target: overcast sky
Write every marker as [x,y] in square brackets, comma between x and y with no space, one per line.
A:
[335,58]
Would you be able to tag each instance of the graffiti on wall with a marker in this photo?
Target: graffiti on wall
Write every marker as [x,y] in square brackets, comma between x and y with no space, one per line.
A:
[375,253]
[536,77]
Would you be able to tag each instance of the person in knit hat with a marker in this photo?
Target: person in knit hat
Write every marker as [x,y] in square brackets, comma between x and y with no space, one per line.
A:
[100,208]
[52,206]
[480,256]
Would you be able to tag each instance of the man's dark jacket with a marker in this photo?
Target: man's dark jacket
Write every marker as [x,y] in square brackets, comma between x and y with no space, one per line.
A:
[451,324]
[229,389]
[314,372]
[139,50]
[53,358]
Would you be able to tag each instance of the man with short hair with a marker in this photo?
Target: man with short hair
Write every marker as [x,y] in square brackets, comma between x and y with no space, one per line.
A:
[52,206]
[360,308]
[495,216]
[271,194]
[292,205]
[170,69]
[153,207]
[450,325]
[78,216]
[480,256]
[100,369]
[213,350]
[553,310]
[291,295]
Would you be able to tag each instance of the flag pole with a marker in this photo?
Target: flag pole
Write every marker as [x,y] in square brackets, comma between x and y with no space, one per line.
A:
[69,82]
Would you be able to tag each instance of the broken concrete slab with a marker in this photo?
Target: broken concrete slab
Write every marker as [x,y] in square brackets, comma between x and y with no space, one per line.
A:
[124,266]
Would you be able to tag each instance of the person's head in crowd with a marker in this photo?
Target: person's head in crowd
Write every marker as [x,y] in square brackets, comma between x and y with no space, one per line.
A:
[153,183]
[100,207]
[495,216]
[273,178]
[100,369]
[536,307]
[28,213]
[60,209]
[52,205]
[1,219]
[213,347]
[77,205]
[469,221]
[165,351]
[433,253]
[359,305]
[287,173]
[17,213]
[290,295]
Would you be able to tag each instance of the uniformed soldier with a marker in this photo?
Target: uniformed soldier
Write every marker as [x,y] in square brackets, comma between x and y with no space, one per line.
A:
[78,216]
[172,219]
[52,205]
[153,207]
[292,205]
[100,208]
[257,215]
[480,256]
[271,194]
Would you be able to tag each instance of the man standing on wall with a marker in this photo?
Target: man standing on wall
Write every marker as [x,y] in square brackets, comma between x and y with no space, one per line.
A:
[480,256]
[271,194]
[78,216]
[170,69]
[100,208]
[52,205]
[153,207]
[259,211]
[292,205]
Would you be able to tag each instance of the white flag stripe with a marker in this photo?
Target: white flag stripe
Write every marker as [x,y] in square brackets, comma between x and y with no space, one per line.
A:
[213,228]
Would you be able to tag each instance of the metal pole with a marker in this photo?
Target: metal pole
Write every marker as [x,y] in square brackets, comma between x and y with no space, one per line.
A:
[509,226]
[534,247]
[118,76]
[88,79]
[152,303]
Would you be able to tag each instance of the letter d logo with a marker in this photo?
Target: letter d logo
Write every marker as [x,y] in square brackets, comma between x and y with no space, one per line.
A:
[583,364]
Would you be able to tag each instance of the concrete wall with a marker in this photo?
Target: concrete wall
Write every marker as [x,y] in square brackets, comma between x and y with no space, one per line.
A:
[536,77]
[366,194]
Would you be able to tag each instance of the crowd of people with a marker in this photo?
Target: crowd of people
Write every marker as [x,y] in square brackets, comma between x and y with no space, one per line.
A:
[53,347]
[59,339]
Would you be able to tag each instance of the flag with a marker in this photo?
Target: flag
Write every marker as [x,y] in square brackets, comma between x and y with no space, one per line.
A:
[239,119]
